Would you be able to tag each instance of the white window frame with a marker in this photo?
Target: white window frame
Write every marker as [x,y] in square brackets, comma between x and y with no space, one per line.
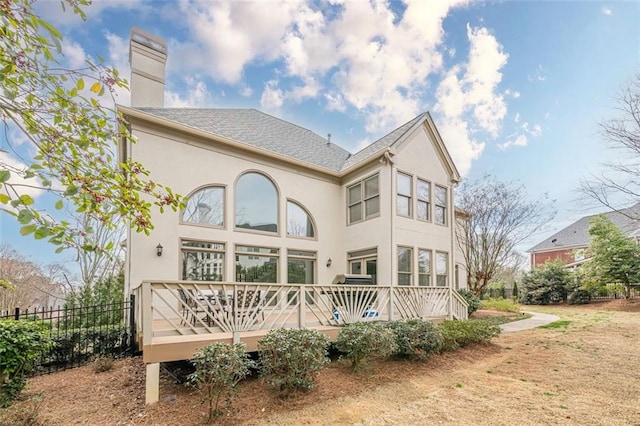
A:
[425,201]
[443,207]
[364,199]
[408,197]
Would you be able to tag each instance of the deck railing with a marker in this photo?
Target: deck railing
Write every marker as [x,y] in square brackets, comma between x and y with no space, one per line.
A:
[194,308]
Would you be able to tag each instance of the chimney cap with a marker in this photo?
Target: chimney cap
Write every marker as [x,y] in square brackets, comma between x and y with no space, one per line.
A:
[149,40]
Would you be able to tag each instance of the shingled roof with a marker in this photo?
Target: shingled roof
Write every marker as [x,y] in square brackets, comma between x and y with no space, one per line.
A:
[260,130]
[577,234]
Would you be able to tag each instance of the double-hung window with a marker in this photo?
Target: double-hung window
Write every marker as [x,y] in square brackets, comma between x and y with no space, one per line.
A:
[405,265]
[403,200]
[363,199]
[424,267]
[441,205]
[442,269]
[424,200]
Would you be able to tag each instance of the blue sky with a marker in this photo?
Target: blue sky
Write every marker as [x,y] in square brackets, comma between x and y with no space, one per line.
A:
[516,88]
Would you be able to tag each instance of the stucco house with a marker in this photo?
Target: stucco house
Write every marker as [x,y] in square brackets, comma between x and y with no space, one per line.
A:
[276,216]
[570,244]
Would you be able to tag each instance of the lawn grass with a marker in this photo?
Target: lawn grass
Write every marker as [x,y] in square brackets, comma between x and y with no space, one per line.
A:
[557,324]
[500,304]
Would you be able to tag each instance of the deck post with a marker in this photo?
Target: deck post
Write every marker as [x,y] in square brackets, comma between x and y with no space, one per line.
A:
[450,303]
[236,337]
[391,297]
[302,311]
[152,387]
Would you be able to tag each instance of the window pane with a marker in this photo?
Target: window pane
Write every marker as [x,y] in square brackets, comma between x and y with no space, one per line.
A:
[356,267]
[423,210]
[372,206]
[300,253]
[404,259]
[258,269]
[298,221]
[355,193]
[424,190]
[372,269]
[202,266]
[256,203]
[424,261]
[440,215]
[206,206]
[203,245]
[404,279]
[441,263]
[371,187]
[355,213]
[441,280]
[402,206]
[441,196]
[404,184]
[300,271]
[424,280]
[252,249]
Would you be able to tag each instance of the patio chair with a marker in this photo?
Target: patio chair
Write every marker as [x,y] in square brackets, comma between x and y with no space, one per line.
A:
[192,306]
[249,303]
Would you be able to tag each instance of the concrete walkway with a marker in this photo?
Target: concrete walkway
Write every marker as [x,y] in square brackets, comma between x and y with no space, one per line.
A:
[537,319]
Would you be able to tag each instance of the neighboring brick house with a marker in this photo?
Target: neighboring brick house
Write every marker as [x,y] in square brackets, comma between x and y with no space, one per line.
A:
[569,245]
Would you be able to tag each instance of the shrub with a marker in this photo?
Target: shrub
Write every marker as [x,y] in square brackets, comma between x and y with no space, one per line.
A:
[291,359]
[416,338]
[363,341]
[21,343]
[502,305]
[458,334]
[102,364]
[545,284]
[219,368]
[472,300]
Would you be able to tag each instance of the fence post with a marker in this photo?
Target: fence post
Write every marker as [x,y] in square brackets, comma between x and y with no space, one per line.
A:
[133,342]
[302,311]
[16,315]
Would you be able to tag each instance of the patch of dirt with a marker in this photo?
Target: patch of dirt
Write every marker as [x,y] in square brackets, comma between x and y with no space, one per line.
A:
[482,313]
[531,377]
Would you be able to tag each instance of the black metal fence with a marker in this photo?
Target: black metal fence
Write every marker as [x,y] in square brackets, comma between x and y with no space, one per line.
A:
[505,293]
[82,333]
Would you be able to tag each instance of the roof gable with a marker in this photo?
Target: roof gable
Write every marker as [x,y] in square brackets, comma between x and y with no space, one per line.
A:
[266,132]
[577,234]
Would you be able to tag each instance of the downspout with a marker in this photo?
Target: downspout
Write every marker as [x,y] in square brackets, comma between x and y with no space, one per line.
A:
[452,260]
[387,159]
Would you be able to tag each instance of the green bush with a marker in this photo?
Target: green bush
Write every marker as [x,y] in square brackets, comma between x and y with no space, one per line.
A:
[579,296]
[81,345]
[472,300]
[363,341]
[458,334]
[416,338]
[292,358]
[499,304]
[218,369]
[545,284]
[21,343]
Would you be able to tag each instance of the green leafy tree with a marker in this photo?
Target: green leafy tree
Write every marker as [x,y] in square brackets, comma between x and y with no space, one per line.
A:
[546,284]
[67,116]
[615,258]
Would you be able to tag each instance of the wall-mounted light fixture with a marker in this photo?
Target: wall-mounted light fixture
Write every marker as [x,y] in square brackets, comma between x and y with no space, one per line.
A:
[328,262]
[159,250]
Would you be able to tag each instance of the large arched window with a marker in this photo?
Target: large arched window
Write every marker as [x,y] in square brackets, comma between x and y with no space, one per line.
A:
[299,223]
[256,203]
[205,207]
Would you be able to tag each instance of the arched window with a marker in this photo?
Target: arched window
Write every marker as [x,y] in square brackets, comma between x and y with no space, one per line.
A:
[256,203]
[205,207]
[299,223]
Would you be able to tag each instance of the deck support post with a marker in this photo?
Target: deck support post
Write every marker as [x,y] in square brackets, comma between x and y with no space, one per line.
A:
[302,311]
[236,337]
[152,390]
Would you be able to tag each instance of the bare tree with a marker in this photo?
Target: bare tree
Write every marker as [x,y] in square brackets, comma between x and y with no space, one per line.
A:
[500,218]
[620,183]
[30,287]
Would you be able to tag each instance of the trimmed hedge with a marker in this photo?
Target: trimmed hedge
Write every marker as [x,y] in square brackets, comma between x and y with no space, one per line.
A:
[457,334]
[416,338]
[362,341]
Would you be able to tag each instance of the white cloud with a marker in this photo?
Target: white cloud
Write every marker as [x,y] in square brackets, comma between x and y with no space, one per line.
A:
[517,117]
[309,89]
[607,11]
[520,140]
[74,54]
[272,97]
[246,91]
[335,102]
[194,95]
[512,93]
[119,59]
[534,131]
[539,74]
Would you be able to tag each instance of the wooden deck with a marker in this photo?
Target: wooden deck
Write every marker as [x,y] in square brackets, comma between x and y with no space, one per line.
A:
[175,319]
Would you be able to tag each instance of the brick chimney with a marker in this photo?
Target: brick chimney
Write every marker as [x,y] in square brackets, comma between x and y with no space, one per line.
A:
[147,56]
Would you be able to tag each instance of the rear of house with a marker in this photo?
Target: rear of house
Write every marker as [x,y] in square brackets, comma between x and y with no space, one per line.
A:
[274,214]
